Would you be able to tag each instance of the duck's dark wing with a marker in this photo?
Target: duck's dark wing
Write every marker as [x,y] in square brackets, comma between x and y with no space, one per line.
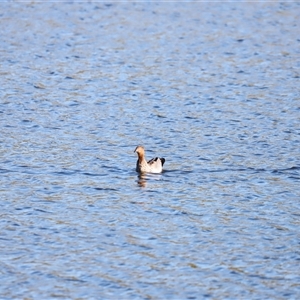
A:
[154,160]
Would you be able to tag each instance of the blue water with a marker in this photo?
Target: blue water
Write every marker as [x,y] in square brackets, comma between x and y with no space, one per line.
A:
[213,88]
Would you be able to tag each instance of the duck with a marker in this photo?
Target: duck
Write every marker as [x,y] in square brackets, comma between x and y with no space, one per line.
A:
[155,165]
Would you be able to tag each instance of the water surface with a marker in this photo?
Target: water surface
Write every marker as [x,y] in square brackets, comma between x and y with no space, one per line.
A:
[212,88]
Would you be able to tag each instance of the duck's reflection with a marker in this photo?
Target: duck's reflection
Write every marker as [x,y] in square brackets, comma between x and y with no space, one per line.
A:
[142,181]
[144,177]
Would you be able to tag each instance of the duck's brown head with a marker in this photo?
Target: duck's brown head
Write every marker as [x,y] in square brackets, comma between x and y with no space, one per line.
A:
[140,150]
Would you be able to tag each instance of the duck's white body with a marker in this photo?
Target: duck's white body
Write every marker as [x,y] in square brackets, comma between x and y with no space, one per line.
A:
[155,165]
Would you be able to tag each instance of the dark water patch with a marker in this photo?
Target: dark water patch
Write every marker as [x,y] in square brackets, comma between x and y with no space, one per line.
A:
[23,208]
[294,177]
[92,174]
[4,171]
[41,210]
[176,171]
[39,86]
[106,189]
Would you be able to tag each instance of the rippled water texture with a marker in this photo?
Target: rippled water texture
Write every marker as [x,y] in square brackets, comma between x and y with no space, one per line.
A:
[212,87]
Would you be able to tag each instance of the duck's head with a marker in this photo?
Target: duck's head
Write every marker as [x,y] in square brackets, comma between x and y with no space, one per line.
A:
[140,150]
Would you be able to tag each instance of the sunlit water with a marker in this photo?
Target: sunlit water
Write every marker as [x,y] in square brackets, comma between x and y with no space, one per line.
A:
[213,88]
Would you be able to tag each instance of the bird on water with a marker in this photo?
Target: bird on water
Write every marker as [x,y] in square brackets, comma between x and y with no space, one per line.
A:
[155,165]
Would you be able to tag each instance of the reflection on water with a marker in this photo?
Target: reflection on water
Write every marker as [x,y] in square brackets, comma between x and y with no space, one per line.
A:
[142,180]
[144,177]
[212,88]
